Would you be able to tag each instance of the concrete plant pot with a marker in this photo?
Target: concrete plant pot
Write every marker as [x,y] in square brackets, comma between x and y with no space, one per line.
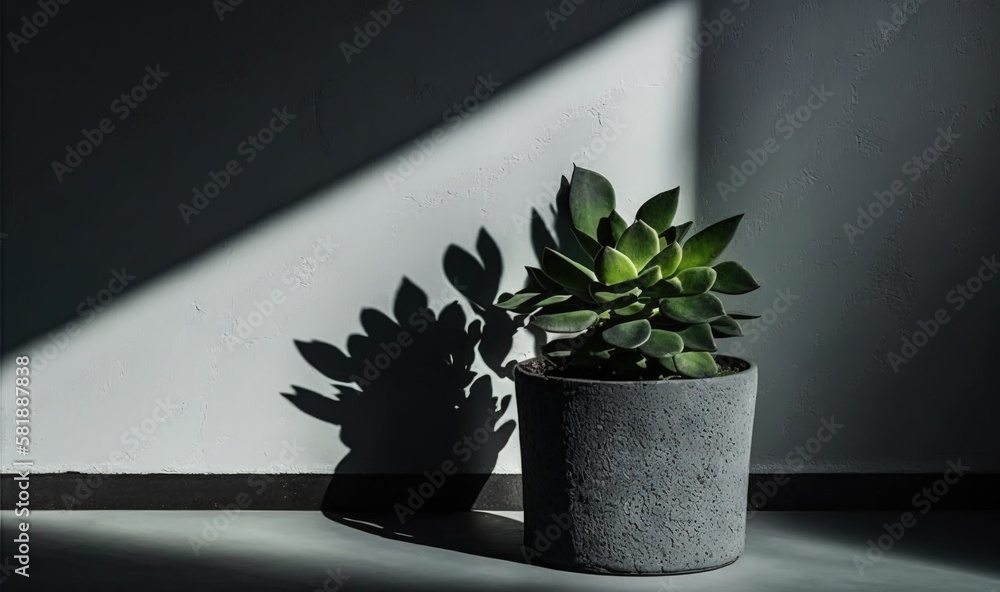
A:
[639,477]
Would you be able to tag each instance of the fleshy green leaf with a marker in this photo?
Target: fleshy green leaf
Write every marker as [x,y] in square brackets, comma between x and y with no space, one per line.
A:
[542,281]
[589,245]
[662,343]
[565,322]
[668,363]
[696,365]
[733,278]
[558,348]
[666,289]
[646,279]
[629,310]
[628,335]
[692,309]
[639,243]
[562,349]
[515,301]
[610,229]
[696,280]
[550,300]
[603,295]
[596,348]
[676,234]
[627,366]
[659,210]
[567,272]
[726,327]
[683,229]
[589,359]
[698,338]
[667,259]
[612,266]
[601,354]
[704,247]
[591,198]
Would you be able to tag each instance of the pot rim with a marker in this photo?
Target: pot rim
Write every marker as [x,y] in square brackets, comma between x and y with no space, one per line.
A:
[752,367]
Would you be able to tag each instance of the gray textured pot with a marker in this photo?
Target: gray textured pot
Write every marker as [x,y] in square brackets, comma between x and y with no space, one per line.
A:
[643,477]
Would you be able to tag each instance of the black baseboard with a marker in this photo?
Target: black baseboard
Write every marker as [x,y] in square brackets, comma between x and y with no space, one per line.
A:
[801,491]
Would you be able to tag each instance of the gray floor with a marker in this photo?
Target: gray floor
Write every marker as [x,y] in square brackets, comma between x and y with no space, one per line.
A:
[303,551]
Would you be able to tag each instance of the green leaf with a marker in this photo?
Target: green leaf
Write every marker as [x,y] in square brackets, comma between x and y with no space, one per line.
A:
[696,365]
[667,259]
[626,366]
[515,301]
[628,335]
[692,309]
[733,278]
[589,245]
[646,279]
[639,243]
[558,348]
[554,299]
[561,350]
[612,266]
[593,359]
[542,281]
[676,234]
[726,327]
[629,309]
[666,289]
[668,363]
[696,280]
[591,198]
[683,229]
[567,272]
[610,229]
[596,347]
[704,247]
[601,354]
[659,210]
[603,295]
[565,322]
[698,338]
[662,343]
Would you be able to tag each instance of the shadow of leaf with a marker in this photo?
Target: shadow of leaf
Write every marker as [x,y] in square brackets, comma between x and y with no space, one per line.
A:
[406,395]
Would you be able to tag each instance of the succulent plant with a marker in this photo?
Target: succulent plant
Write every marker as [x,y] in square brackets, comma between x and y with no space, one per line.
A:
[642,303]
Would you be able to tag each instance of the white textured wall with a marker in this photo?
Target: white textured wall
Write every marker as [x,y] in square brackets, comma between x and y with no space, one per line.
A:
[176,339]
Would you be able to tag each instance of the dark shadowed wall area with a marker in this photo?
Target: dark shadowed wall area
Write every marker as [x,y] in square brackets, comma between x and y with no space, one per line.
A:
[354,97]
[862,143]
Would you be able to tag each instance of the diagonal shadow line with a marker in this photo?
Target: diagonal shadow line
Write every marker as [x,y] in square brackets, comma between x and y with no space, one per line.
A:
[65,277]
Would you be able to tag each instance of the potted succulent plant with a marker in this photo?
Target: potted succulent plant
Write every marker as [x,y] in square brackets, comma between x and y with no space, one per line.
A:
[635,438]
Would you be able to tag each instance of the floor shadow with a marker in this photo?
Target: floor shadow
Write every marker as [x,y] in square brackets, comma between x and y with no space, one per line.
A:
[967,539]
[474,533]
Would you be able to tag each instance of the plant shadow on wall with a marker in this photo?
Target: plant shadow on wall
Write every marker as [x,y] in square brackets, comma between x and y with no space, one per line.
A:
[424,429]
